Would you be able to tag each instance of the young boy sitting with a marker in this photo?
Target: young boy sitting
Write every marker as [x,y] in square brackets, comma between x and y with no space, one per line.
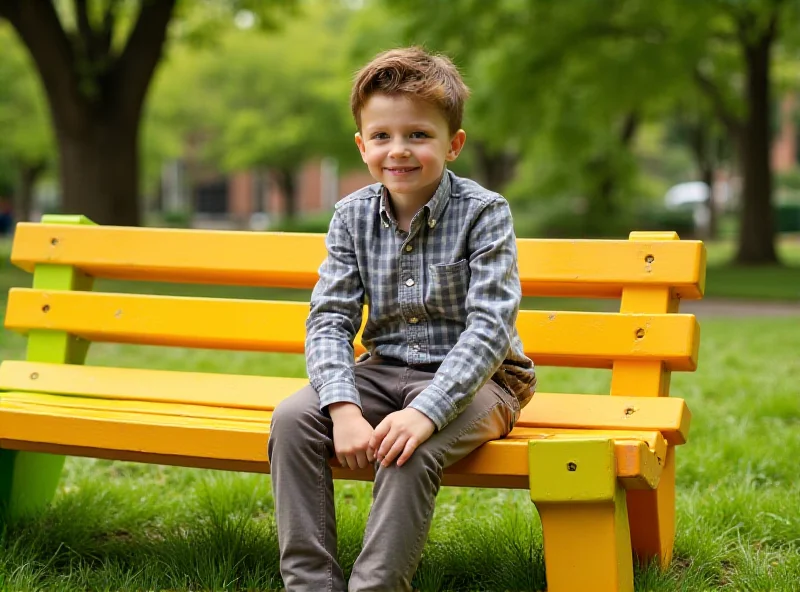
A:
[434,257]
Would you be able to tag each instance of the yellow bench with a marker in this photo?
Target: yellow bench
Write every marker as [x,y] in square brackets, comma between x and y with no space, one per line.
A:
[600,469]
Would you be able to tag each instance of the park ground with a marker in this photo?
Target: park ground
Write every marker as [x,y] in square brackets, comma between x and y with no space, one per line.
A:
[125,526]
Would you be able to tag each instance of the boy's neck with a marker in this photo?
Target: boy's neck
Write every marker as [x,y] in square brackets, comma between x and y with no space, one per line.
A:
[405,208]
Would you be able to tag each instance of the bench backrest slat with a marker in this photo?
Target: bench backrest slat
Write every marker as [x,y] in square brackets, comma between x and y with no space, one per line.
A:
[582,268]
[577,339]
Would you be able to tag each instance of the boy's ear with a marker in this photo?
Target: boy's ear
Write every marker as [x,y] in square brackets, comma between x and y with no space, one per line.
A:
[361,146]
[456,144]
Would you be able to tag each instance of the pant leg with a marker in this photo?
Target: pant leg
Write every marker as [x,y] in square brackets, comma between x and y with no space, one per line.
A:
[404,497]
[300,447]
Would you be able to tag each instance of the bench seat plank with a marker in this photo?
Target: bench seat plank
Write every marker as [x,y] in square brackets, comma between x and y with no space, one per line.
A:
[237,394]
[577,339]
[150,431]
[548,267]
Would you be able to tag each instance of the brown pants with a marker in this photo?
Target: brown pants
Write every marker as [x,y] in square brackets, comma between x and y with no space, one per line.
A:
[300,447]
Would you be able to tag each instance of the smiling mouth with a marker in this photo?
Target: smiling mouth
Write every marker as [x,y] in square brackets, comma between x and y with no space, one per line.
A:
[400,170]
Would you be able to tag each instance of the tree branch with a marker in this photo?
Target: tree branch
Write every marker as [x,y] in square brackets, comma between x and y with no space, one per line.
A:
[724,112]
[107,34]
[38,26]
[95,44]
[84,27]
[141,53]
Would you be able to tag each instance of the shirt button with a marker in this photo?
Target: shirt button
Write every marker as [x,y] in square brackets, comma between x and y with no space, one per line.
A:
[409,282]
[409,248]
[415,347]
[432,223]
[413,320]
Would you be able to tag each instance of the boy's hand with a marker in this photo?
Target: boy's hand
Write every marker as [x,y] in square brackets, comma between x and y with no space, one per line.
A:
[400,433]
[351,435]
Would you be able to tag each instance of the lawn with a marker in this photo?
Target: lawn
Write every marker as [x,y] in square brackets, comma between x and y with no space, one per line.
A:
[771,282]
[124,526]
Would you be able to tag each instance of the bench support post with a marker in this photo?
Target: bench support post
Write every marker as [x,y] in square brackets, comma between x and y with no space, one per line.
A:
[587,543]
[651,512]
[28,480]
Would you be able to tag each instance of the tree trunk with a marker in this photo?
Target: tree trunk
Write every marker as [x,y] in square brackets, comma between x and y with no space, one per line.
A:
[286,182]
[95,92]
[495,168]
[99,171]
[703,142]
[707,176]
[23,199]
[757,229]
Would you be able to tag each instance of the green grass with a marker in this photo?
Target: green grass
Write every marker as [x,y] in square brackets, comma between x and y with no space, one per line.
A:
[125,526]
[769,283]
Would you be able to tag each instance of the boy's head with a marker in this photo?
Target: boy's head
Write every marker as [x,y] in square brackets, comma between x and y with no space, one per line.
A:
[412,72]
[408,106]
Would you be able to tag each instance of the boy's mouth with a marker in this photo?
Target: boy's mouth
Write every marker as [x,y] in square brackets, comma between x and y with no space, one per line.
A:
[400,170]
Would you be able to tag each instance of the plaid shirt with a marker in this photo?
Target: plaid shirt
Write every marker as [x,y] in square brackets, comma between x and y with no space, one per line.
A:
[446,292]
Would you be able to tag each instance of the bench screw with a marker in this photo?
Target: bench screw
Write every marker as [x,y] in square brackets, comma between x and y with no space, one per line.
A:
[46,308]
[649,259]
[572,467]
[34,375]
[54,242]
[639,333]
[629,410]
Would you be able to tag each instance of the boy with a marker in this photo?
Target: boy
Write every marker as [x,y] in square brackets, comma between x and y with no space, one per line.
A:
[434,255]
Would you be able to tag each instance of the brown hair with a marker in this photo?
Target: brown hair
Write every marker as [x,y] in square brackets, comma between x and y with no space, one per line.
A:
[412,71]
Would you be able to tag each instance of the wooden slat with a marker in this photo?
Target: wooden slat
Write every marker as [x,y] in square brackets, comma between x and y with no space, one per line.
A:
[223,443]
[175,255]
[600,268]
[576,339]
[669,416]
[66,405]
[234,391]
[586,268]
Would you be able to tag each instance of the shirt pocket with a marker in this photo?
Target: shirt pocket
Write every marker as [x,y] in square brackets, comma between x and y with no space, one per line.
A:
[447,290]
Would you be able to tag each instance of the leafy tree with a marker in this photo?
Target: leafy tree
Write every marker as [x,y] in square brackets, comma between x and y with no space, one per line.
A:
[748,32]
[259,102]
[567,84]
[96,61]
[576,77]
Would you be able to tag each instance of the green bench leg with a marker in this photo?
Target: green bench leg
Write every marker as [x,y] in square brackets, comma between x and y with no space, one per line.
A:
[587,543]
[28,480]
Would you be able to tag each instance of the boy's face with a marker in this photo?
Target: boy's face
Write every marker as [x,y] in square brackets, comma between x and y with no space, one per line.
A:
[405,143]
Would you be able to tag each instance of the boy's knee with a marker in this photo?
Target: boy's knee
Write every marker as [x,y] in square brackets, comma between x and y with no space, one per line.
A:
[296,416]
[423,464]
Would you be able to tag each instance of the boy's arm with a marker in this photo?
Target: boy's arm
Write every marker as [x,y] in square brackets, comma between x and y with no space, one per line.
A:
[493,299]
[336,310]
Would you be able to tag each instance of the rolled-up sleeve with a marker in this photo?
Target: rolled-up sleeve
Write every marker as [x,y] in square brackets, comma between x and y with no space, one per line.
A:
[335,317]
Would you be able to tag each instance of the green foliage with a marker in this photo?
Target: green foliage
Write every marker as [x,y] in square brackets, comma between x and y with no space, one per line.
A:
[257,100]
[570,85]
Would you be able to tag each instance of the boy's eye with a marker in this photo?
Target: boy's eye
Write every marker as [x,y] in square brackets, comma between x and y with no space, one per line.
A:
[380,136]
[419,135]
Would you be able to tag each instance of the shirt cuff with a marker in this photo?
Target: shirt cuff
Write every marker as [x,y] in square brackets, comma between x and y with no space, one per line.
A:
[338,392]
[436,405]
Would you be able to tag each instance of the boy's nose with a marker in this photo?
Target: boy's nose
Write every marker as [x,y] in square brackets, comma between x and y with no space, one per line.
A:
[399,151]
